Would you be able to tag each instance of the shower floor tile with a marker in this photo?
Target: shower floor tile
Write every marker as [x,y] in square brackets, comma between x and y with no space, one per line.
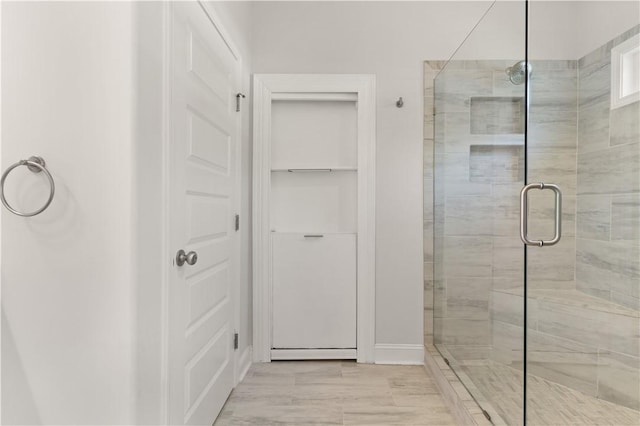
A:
[548,403]
[335,393]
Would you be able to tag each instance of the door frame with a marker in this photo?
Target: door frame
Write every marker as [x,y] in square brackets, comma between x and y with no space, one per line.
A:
[266,87]
[239,367]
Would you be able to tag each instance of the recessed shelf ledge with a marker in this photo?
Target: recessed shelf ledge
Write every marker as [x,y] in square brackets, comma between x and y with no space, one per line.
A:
[315,169]
[314,96]
[316,232]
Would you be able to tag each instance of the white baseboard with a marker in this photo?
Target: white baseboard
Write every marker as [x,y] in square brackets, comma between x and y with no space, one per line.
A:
[244,363]
[399,354]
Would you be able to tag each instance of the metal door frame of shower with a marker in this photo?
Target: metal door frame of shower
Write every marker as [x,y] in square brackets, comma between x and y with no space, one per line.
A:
[527,85]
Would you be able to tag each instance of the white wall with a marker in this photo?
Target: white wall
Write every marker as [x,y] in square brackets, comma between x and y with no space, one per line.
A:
[82,283]
[557,29]
[554,31]
[601,21]
[150,259]
[67,293]
[571,29]
[391,40]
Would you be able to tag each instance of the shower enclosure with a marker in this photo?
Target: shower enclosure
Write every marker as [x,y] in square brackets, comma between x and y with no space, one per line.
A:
[542,96]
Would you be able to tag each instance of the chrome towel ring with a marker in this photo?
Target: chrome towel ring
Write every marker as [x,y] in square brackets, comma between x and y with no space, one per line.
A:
[36,165]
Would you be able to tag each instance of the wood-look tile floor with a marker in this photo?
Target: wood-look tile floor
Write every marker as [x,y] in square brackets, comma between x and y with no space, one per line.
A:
[335,393]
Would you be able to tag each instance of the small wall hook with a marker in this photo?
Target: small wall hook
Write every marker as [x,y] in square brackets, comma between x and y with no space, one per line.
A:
[238,96]
[400,102]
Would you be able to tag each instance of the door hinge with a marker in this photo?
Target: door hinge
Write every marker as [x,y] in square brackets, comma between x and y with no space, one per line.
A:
[235,341]
[238,96]
[237,222]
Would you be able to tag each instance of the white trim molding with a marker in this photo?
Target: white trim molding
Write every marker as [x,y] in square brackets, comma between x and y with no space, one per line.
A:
[625,72]
[399,354]
[243,364]
[267,87]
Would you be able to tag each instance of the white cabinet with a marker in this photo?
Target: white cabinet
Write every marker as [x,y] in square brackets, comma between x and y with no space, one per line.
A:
[314,217]
[314,190]
[314,291]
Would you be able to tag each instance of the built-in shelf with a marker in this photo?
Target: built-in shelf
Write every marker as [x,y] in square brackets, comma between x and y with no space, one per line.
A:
[315,232]
[314,209]
[306,134]
[315,97]
[315,169]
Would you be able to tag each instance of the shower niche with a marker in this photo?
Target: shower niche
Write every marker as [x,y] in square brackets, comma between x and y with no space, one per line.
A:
[496,163]
[497,115]
[498,159]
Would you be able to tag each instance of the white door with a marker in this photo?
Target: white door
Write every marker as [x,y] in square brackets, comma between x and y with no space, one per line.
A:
[204,78]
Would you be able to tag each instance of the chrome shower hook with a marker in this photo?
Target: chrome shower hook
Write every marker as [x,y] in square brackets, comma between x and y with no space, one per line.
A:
[400,102]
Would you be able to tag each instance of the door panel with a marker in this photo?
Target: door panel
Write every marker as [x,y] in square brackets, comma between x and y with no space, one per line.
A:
[203,200]
[209,144]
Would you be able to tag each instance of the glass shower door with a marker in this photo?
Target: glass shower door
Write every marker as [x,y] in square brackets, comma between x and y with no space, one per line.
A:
[479,157]
[536,302]
[583,135]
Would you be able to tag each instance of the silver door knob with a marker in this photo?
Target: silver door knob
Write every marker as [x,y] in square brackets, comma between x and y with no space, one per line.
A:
[191,258]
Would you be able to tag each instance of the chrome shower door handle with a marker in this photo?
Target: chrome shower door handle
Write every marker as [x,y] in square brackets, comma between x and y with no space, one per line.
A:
[524,213]
[558,210]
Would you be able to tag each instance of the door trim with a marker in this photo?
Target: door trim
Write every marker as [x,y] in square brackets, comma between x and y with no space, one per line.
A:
[239,359]
[266,87]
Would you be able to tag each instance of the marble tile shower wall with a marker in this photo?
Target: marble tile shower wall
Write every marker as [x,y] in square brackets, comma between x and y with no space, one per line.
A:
[608,257]
[431,68]
[590,344]
[608,226]
[480,147]
[552,153]
[584,321]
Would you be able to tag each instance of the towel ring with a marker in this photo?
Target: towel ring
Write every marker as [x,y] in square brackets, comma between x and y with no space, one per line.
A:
[36,165]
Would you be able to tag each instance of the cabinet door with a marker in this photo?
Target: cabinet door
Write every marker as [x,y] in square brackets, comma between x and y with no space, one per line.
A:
[314,291]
